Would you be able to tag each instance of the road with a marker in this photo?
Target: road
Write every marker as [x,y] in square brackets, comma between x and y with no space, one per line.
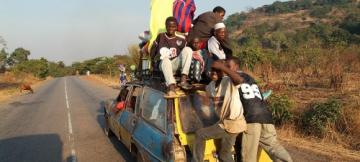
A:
[61,121]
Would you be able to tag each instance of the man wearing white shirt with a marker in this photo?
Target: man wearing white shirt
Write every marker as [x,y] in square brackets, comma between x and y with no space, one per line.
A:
[214,43]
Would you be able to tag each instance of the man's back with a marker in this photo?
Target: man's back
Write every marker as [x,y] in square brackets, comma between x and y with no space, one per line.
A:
[255,108]
[203,25]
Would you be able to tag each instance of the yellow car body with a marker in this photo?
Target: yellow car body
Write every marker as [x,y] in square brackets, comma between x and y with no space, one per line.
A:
[210,148]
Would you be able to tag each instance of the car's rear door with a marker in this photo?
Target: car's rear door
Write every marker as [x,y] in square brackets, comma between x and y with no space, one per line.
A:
[128,118]
[115,113]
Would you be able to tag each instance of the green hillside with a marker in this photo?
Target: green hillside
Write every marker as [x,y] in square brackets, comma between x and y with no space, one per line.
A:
[307,52]
[286,26]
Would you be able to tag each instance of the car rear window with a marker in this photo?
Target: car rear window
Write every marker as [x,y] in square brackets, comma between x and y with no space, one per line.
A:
[154,105]
[196,111]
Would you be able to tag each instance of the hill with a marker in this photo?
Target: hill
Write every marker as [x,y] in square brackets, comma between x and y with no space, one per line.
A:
[307,52]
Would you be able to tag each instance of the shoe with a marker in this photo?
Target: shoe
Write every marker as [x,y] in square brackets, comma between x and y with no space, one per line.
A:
[185,85]
[170,94]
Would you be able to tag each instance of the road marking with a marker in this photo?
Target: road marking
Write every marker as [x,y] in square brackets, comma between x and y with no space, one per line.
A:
[71,136]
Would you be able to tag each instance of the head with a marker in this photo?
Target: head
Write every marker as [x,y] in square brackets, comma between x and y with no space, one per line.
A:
[195,44]
[216,75]
[233,63]
[220,31]
[171,26]
[219,12]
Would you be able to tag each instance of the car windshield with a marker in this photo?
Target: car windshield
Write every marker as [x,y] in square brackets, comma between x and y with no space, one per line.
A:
[196,111]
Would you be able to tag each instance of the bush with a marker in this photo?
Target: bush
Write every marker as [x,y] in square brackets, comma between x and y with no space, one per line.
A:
[251,56]
[320,12]
[235,21]
[320,117]
[280,107]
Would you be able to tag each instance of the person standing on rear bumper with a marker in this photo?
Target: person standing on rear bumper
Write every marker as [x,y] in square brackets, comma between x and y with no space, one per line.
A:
[260,128]
[227,103]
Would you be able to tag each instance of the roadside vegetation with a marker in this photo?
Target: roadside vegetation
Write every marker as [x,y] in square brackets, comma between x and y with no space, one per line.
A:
[307,52]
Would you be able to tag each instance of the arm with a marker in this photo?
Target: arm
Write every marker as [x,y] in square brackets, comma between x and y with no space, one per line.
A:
[235,77]
[153,51]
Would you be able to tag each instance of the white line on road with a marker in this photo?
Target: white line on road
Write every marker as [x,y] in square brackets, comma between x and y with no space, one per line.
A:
[71,137]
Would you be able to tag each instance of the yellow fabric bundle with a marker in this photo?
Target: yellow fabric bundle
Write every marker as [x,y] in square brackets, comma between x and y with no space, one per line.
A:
[160,10]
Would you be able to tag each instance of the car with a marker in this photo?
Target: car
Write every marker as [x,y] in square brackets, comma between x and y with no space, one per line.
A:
[155,128]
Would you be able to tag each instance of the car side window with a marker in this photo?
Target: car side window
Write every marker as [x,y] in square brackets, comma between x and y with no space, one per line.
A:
[132,102]
[123,93]
[121,99]
[154,108]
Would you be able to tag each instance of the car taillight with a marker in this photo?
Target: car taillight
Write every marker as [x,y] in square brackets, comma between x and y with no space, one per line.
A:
[172,150]
[168,150]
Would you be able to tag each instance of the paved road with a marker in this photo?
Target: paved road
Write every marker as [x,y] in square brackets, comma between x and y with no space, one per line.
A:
[61,121]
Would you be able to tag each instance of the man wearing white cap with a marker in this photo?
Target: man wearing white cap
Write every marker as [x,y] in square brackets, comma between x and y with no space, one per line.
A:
[215,42]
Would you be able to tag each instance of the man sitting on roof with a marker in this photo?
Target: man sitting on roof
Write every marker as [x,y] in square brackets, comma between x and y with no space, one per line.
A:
[215,43]
[204,25]
[170,51]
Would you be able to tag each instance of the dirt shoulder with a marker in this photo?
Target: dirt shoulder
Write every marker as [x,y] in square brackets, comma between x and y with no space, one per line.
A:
[308,149]
[10,86]
[109,81]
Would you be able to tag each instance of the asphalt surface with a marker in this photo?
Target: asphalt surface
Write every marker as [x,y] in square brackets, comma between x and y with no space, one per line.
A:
[61,121]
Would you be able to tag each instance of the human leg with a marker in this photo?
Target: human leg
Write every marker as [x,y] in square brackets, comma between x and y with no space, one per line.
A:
[269,142]
[227,142]
[203,134]
[186,57]
[250,142]
[167,69]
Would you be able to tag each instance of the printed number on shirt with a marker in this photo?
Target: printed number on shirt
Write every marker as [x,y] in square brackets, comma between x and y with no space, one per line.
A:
[173,52]
[250,91]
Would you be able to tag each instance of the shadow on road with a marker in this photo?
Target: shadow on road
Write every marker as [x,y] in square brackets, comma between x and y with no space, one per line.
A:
[31,148]
[120,147]
[17,103]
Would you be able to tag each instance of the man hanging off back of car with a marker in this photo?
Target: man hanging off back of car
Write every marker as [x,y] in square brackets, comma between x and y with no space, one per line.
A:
[260,128]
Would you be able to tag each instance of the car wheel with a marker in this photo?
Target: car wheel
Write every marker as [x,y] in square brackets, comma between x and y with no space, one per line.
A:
[107,129]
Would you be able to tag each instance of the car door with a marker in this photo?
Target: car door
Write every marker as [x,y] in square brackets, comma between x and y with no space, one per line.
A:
[115,113]
[128,118]
[150,131]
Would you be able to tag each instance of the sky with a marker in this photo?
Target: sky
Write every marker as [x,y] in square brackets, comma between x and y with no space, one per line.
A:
[76,30]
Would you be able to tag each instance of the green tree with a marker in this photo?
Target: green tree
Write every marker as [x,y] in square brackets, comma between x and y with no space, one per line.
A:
[57,69]
[352,23]
[3,56]
[37,67]
[61,64]
[2,42]
[18,56]
[134,54]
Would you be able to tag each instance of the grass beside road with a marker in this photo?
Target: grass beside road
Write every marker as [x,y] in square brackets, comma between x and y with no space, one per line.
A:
[105,79]
[10,84]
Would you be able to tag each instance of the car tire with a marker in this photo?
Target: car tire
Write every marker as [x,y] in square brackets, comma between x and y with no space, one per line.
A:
[107,129]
